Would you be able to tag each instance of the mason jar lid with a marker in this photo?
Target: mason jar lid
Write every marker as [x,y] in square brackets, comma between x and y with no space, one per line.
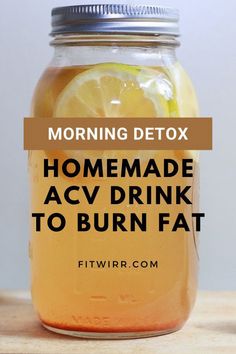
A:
[115,18]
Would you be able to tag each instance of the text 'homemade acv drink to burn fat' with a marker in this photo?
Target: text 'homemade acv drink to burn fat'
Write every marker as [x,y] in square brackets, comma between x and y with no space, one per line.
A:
[113,244]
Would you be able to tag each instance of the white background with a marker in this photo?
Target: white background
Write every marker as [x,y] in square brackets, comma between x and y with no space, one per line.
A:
[208,52]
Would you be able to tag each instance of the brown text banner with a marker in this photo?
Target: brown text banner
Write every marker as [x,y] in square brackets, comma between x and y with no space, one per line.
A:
[118,133]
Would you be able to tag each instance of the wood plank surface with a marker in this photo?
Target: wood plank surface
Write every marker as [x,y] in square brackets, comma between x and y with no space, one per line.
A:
[211,329]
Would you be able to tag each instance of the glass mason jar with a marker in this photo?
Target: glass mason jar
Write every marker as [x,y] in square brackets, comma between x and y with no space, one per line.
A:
[113,61]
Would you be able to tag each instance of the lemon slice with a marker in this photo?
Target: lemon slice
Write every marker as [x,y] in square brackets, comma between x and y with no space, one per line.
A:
[117,90]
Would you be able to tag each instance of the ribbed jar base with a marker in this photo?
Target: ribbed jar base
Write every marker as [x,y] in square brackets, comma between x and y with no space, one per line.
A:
[109,335]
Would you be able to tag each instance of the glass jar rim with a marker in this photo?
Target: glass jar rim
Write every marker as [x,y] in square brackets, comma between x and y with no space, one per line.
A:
[114,39]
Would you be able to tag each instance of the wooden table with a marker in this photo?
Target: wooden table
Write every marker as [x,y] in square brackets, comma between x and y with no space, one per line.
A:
[211,329]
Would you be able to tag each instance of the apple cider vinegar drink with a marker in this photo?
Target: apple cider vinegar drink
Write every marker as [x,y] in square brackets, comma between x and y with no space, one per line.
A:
[114,250]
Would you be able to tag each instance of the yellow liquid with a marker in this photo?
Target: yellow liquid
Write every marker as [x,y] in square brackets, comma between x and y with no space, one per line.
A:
[110,299]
